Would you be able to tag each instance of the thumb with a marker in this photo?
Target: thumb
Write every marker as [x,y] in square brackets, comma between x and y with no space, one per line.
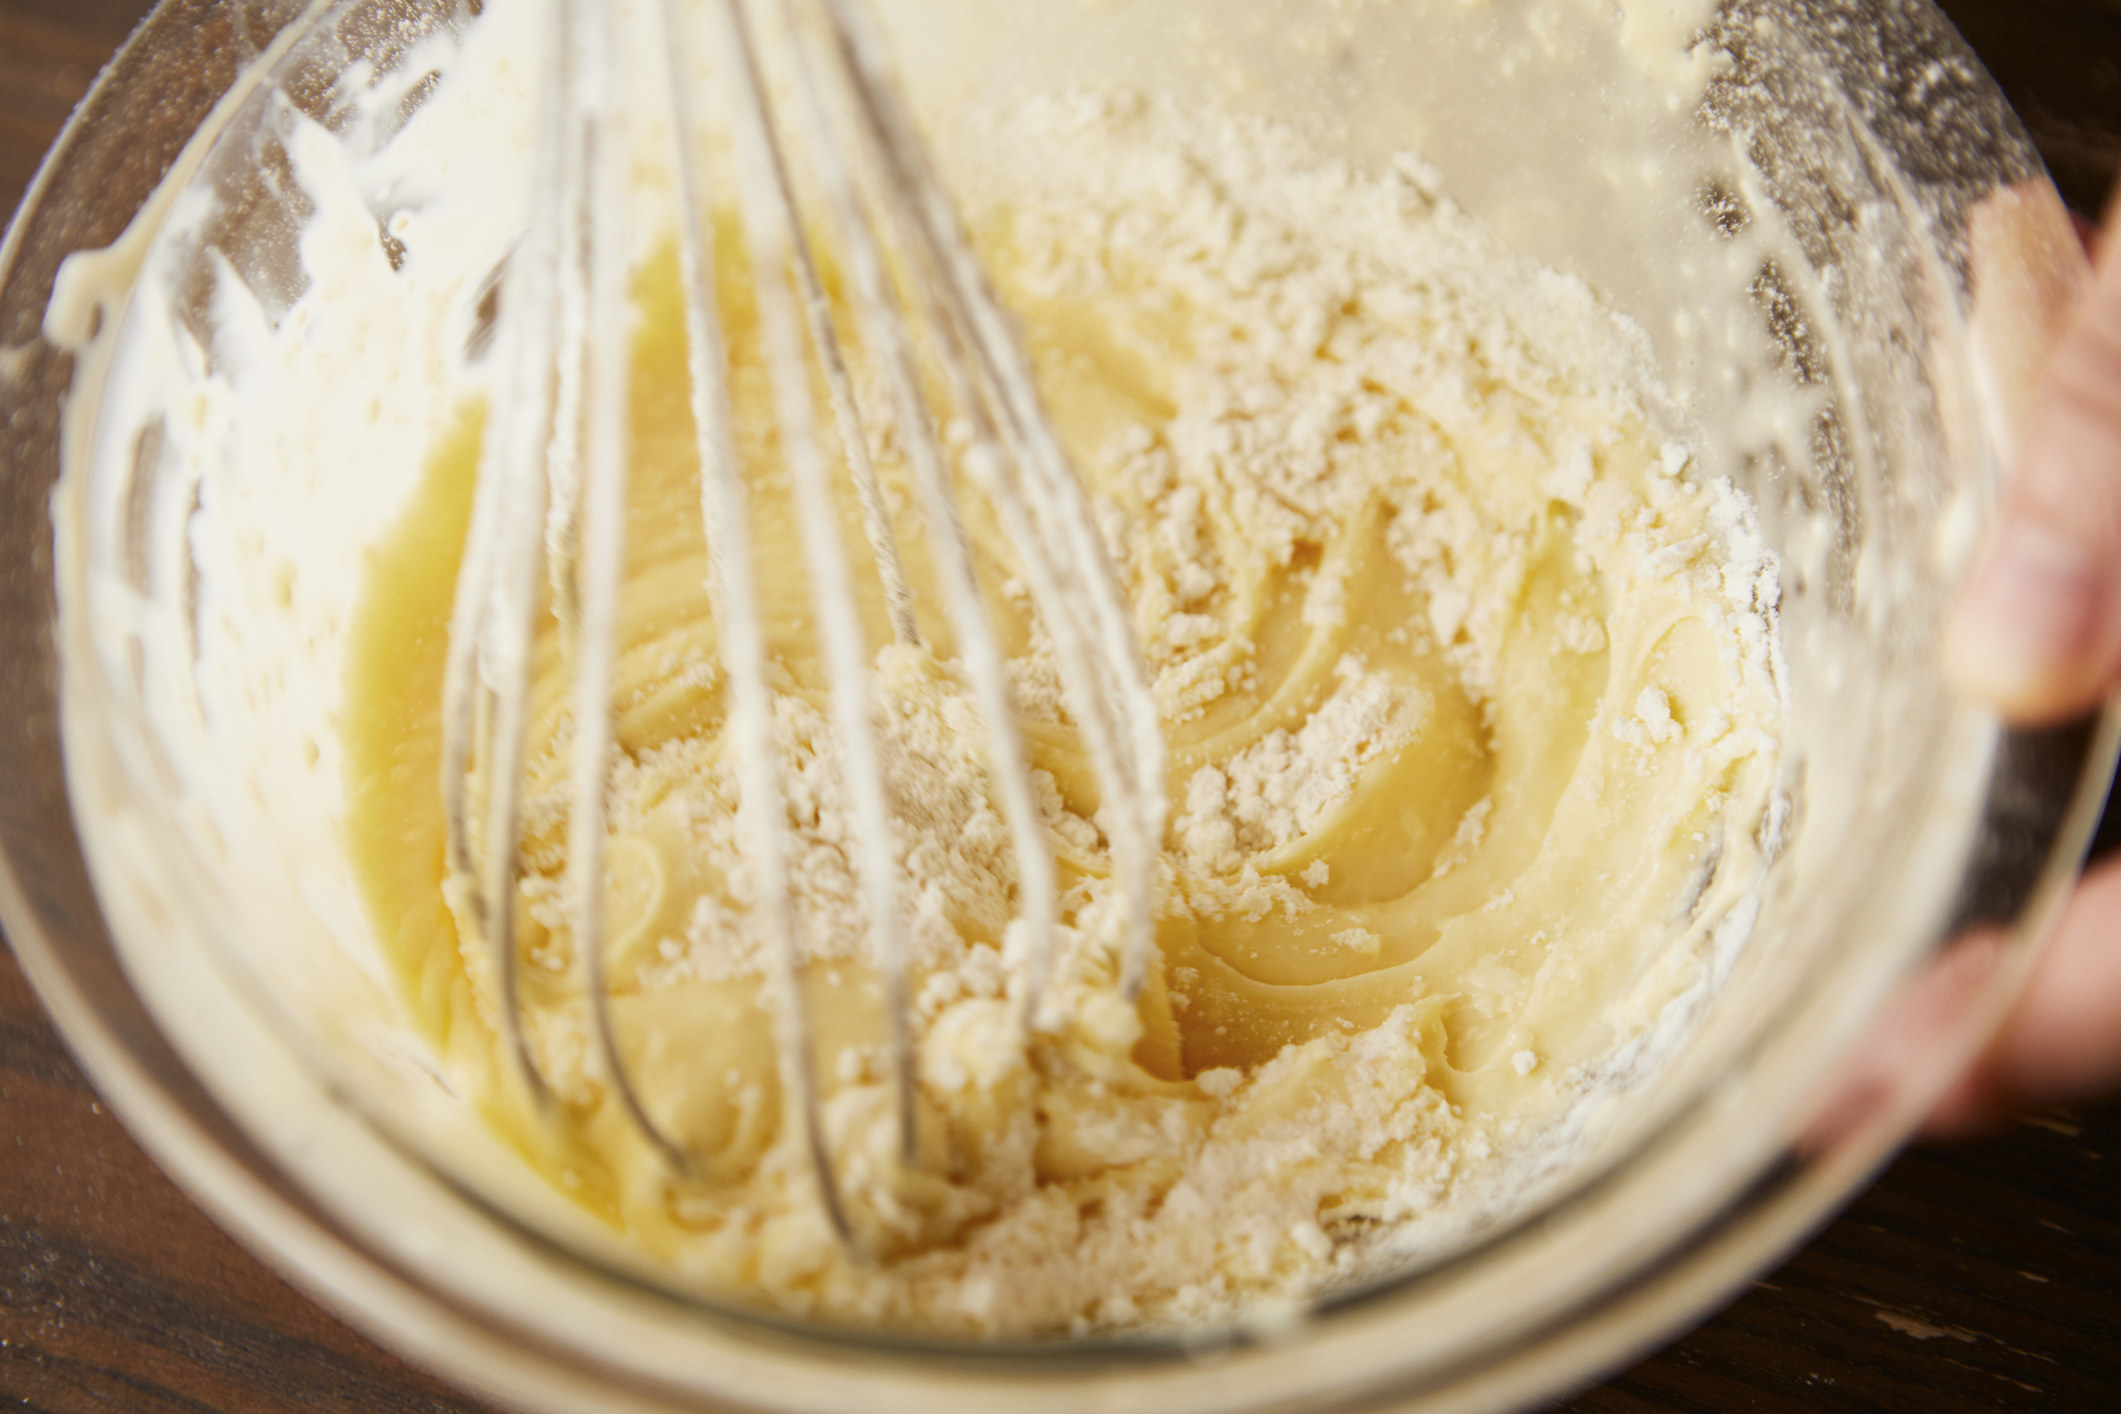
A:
[2038,632]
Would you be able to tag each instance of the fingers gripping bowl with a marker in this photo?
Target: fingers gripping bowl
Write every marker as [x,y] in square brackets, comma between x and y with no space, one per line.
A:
[1835,351]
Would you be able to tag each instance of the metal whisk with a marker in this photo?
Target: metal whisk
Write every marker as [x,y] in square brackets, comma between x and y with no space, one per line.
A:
[552,494]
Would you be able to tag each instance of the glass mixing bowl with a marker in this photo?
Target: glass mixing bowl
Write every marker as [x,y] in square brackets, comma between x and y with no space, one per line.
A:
[1816,206]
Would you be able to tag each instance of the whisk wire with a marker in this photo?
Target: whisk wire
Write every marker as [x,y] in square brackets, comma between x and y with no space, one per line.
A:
[606,362]
[883,325]
[553,493]
[780,255]
[486,671]
[1028,480]
[732,591]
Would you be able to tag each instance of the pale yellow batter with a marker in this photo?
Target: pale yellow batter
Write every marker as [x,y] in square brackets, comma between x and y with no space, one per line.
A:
[1470,693]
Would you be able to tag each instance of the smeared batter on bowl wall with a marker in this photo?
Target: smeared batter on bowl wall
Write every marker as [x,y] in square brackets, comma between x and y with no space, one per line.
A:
[1471,693]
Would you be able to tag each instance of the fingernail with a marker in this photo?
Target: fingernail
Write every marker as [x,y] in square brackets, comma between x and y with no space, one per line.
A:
[2026,636]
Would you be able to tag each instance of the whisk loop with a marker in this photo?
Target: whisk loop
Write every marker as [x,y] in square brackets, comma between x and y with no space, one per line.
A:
[552,494]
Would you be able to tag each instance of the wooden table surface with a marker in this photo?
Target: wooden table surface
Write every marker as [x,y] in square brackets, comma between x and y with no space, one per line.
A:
[1978,1277]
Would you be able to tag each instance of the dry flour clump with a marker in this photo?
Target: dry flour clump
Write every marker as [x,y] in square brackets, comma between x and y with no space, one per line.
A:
[1294,388]
[1287,784]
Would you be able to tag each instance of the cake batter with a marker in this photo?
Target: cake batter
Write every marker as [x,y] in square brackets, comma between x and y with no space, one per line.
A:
[1471,692]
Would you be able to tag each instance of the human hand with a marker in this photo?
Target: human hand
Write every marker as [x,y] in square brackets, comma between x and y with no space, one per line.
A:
[2038,634]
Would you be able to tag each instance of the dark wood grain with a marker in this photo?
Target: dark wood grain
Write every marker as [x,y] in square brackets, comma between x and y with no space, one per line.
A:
[1980,1277]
